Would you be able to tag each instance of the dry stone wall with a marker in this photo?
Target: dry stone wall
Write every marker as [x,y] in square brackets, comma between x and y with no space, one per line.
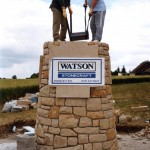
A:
[75,123]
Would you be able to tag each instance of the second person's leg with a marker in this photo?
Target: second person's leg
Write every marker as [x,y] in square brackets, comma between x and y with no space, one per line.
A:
[93,27]
[99,22]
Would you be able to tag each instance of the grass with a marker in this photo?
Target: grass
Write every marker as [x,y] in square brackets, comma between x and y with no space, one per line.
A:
[15,88]
[8,120]
[125,95]
[11,117]
[124,77]
[135,94]
[10,83]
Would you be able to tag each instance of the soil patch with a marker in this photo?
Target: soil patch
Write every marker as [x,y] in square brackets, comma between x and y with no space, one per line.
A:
[131,127]
[6,130]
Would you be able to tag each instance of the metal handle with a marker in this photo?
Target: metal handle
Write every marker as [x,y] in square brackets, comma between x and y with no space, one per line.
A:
[70,23]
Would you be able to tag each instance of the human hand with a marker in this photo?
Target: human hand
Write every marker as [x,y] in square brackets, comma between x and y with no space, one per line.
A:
[70,10]
[91,11]
[64,13]
[85,4]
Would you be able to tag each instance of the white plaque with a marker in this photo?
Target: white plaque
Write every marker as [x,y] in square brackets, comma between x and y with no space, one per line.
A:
[77,71]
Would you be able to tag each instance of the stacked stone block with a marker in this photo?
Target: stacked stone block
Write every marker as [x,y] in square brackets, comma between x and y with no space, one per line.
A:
[25,142]
[75,123]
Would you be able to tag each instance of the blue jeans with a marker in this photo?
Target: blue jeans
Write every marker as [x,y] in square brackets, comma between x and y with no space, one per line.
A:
[96,24]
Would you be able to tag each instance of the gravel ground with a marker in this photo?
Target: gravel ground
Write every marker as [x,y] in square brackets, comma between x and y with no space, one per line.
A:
[7,144]
[126,142]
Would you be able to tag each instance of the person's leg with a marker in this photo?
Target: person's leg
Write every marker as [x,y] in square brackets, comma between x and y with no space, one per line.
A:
[56,23]
[63,28]
[93,27]
[99,22]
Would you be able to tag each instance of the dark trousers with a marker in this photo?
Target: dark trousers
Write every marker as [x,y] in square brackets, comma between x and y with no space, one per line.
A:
[59,25]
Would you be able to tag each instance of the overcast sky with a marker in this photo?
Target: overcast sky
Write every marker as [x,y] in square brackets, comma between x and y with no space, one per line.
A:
[26,24]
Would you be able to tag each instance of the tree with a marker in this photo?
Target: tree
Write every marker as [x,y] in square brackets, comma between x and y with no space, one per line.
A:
[123,71]
[34,75]
[118,70]
[115,73]
[14,77]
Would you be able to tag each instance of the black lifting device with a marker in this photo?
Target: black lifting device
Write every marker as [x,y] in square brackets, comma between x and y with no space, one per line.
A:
[78,35]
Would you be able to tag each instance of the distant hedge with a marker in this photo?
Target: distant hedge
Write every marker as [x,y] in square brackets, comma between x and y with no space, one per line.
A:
[7,94]
[130,80]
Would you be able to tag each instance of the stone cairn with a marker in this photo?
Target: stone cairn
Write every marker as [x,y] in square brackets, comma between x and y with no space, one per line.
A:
[75,123]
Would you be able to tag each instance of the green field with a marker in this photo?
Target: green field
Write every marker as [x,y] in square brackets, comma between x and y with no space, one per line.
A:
[129,95]
[15,88]
[13,83]
[137,76]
